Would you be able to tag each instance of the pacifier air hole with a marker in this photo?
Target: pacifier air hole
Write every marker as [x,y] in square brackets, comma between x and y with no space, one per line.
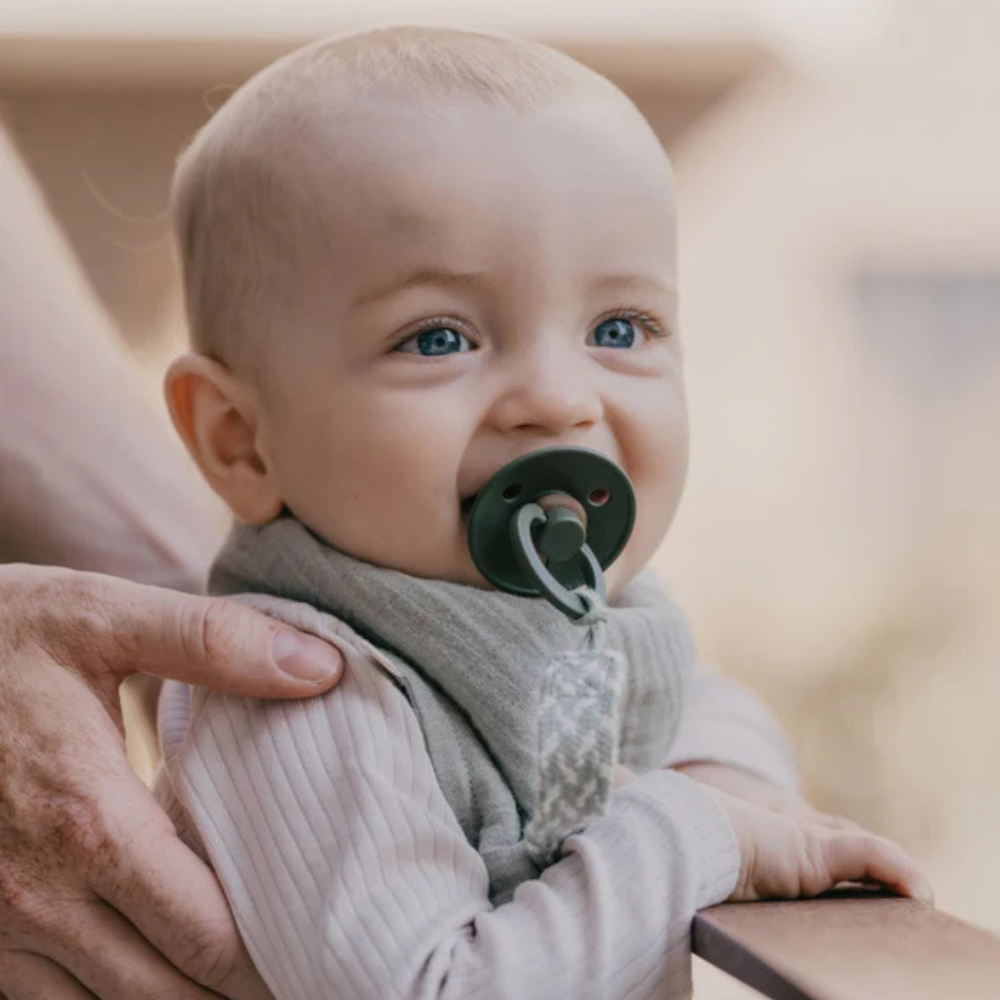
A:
[599,497]
[512,492]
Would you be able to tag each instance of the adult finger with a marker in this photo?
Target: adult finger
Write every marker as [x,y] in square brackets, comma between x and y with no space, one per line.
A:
[852,857]
[100,624]
[138,972]
[174,900]
[26,976]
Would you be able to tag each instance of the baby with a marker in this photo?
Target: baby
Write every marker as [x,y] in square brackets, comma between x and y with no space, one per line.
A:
[410,257]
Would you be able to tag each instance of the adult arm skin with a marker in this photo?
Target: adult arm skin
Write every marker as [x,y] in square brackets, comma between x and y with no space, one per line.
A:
[90,475]
[98,896]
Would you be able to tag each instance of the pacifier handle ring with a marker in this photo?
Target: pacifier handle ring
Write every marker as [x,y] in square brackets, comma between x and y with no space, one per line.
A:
[569,603]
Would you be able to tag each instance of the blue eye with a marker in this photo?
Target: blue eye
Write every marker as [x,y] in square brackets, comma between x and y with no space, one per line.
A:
[615,332]
[436,342]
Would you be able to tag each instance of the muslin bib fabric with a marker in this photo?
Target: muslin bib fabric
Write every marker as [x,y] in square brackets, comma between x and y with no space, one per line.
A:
[489,676]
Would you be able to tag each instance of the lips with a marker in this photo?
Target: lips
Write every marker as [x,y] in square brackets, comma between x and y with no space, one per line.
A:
[466,503]
[467,500]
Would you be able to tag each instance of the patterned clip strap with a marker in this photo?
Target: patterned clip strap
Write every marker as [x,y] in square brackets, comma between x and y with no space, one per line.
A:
[577,737]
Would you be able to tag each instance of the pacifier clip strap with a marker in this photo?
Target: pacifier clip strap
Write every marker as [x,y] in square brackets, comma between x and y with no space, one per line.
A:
[578,725]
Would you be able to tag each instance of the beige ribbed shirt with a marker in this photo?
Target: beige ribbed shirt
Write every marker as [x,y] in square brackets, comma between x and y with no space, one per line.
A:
[350,877]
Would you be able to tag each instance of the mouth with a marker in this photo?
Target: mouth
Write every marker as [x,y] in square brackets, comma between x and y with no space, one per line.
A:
[466,504]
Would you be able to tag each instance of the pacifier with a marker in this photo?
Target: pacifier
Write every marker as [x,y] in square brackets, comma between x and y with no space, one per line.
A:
[523,549]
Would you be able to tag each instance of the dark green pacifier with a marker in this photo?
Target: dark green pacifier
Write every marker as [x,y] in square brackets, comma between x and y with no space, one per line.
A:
[523,549]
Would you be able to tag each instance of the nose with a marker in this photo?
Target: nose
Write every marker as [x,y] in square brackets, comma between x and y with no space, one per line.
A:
[548,391]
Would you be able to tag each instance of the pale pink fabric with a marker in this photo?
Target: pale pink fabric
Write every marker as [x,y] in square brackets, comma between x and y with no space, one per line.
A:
[349,875]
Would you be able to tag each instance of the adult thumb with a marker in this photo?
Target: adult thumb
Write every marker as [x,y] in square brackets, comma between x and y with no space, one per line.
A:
[210,641]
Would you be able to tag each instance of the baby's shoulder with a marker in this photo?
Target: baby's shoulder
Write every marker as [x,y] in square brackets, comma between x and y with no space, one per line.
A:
[370,693]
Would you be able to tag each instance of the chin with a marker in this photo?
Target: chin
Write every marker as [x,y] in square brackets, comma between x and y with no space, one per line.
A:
[459,569]
[623,571]
[470,576]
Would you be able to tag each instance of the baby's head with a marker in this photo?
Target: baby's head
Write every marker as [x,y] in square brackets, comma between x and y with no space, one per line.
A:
[411,256]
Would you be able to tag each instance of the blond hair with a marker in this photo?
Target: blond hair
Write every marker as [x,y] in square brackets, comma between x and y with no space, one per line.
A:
[238,209]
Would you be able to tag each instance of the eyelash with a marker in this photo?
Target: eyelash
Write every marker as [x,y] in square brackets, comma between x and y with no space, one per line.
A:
[651,325]
[432,324]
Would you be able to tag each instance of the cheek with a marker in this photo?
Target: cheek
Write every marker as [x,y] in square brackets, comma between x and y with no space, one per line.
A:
[655,432]
[657,457]
[376,480]
[661,482]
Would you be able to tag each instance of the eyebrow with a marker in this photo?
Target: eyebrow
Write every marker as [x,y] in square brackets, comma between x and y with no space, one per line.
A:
[424,276]
[633,282]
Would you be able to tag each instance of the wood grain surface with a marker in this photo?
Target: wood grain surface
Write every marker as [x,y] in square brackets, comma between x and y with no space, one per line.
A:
[853,945]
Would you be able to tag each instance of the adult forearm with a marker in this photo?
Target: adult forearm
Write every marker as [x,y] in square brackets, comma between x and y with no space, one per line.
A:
[90,475]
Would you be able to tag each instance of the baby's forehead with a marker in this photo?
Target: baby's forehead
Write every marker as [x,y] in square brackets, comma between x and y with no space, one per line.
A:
[460,187]
[404,157]
[407,168]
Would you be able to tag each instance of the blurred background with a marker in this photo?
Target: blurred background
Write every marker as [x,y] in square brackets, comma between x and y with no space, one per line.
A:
[838,163]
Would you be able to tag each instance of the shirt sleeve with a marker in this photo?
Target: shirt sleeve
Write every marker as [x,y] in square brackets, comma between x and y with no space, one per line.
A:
[350,877]
[724,722]
[91,476]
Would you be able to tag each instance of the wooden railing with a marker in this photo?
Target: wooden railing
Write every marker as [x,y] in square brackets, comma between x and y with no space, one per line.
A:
[853,945]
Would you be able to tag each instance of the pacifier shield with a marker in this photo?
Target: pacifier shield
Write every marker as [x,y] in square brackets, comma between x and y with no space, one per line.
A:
[600,486]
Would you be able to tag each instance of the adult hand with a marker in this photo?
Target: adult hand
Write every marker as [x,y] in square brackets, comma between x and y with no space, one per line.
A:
[98,896]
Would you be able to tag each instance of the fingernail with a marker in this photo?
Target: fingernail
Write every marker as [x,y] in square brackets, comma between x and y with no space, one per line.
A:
[924,893]
[305,657]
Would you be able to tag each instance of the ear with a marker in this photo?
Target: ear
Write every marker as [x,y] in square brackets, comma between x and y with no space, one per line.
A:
[217,416]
